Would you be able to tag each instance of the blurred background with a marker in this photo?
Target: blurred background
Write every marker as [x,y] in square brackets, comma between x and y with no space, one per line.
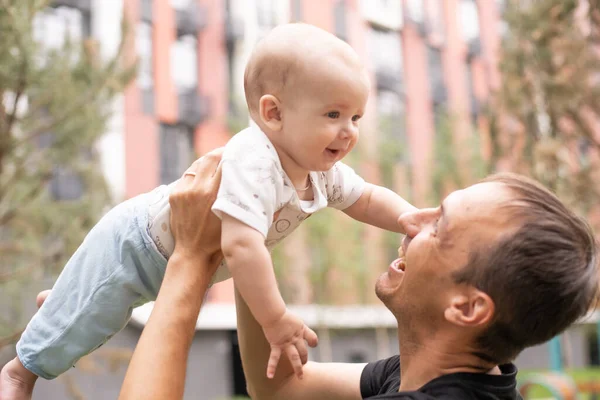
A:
[101,100]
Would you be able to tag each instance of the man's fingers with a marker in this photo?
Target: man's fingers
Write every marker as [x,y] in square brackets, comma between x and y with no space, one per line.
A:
[311,337]
[206,166]
[273,361]
[292,352]
[203,171]
[41,297]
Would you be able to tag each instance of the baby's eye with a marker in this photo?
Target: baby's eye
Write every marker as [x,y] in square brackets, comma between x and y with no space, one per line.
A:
[333,114]
[356,118]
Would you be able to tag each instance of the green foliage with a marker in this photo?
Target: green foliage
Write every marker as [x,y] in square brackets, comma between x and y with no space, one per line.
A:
[548,104]
[391,150]
[392,153]
[447,173]
[54,105]
[336,244]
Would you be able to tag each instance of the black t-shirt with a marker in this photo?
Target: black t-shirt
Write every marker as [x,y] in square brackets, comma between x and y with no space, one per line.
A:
[381,380]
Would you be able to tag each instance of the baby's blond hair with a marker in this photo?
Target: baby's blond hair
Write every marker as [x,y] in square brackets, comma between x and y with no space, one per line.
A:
[279,61]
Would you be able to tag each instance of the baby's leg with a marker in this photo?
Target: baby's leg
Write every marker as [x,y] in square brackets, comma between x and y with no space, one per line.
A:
[114,269]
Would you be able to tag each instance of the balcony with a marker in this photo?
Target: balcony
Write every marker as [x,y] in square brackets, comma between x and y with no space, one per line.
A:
[389,79]
[82,5]
[439,94]
[190,20]
[234,29]
[146,10]
[193,108]
[473,48]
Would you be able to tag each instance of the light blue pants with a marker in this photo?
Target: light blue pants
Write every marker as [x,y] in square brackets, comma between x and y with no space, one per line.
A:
[116,268]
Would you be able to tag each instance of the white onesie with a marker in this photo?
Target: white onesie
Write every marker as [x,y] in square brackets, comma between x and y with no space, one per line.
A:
[256,191]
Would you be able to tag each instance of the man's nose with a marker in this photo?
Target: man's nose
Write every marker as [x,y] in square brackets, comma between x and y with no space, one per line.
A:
[413,222]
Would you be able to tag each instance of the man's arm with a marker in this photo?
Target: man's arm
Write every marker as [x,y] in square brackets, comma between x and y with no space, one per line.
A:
[158,367]
[380,207]
[329,381]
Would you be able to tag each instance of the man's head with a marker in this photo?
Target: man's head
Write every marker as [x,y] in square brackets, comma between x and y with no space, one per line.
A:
[307,89]
[503,264]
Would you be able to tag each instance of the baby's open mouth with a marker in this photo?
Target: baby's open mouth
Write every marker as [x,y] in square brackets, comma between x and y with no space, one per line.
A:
[333,152]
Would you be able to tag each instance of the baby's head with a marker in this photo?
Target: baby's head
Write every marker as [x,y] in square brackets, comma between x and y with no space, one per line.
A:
[307,89]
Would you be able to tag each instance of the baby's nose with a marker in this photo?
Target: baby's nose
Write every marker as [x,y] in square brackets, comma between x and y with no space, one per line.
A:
[412,222]
[409,223]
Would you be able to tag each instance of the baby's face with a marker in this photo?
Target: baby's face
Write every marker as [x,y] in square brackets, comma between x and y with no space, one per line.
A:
[320,124]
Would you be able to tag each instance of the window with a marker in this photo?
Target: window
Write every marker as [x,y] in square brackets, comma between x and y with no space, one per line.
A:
[584,146]
[146,10]
[265,11]
[385,51]
[143,42]
[436,75]
[357,357]
[415,11]
[501,8]
[53,26]
[435,18]
[180,4]
[296,8]
[391,120]
[66,185]
[468,20]
[473,102]
[385,14]
[176,151]
[145,78]
[184,63]
[340,19]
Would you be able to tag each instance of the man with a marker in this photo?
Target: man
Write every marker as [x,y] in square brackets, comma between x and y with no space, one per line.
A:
[497,267]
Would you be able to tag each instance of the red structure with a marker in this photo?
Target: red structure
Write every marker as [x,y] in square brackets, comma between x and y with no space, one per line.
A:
[425,56]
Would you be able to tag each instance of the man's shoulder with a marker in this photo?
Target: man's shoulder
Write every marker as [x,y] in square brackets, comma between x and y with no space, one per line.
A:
[380,377]
[384,376]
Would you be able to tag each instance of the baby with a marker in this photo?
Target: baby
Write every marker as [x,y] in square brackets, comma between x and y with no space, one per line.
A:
[306,91]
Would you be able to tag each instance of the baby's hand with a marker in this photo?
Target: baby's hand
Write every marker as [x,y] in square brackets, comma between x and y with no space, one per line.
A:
[288,335]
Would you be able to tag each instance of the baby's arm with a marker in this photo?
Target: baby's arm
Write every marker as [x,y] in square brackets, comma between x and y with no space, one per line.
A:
[251,267]
[380,207]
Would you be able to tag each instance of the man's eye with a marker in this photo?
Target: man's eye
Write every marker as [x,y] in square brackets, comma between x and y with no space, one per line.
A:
[333,114]
[356,118]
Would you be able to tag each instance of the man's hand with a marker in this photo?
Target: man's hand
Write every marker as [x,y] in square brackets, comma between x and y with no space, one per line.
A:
[196,229]
[287,335]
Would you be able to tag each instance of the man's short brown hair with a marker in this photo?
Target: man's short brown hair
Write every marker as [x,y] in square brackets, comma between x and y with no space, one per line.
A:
[542,277]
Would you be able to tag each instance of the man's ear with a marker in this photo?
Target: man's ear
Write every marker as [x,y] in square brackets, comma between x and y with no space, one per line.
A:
[270,112]
[471,308]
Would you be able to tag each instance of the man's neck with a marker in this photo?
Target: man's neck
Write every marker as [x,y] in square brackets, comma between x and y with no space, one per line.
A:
[421,363]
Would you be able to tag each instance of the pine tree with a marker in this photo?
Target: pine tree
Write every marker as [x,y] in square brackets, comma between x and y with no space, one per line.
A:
[54,105]
[546,115]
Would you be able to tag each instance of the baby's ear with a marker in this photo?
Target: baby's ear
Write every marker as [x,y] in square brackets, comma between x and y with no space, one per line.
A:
[270,112]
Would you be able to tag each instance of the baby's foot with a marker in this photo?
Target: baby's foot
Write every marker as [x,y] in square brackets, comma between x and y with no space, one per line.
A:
[16,382]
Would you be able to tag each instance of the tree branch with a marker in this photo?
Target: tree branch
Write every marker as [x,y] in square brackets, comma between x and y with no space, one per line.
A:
[11,339]
[83,99]
[587,131]
[14,275]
